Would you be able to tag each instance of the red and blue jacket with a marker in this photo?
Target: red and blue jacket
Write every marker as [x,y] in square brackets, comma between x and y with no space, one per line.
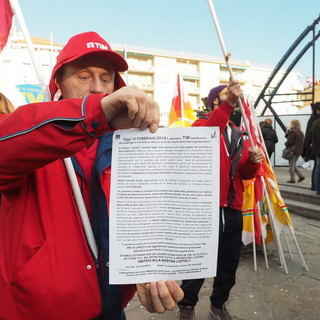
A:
[235,164]
[47,270]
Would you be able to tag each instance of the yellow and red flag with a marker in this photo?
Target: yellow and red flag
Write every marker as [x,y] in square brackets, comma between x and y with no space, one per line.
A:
[254,193]
[248,209]
[281,212]
[181,113]
[253,189]
[6,15]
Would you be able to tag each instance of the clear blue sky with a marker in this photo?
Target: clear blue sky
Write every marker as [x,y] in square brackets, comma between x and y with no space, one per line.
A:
[257,30]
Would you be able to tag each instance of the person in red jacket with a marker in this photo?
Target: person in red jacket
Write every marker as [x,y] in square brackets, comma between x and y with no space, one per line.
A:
[47,269]
[237,163]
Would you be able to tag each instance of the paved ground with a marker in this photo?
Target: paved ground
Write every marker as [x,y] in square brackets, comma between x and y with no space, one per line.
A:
[268,294]
[282,176]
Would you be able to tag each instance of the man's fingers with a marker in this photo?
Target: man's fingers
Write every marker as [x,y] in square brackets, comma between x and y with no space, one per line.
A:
[134,100]
[152,116]
[234,92]
[256,155]
[167,300]
[157,291]
[159,296]
[142,110]
[143,290]
[175,290]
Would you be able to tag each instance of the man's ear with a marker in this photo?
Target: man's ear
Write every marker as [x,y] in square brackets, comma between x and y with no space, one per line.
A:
[57,81]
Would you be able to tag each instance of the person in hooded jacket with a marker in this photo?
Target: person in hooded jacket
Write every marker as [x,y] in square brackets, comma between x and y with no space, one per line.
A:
[47,269]
[237,162]
[308,153]
[269,136]
[315,138]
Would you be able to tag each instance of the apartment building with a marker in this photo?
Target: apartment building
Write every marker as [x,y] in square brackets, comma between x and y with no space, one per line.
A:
[153,70]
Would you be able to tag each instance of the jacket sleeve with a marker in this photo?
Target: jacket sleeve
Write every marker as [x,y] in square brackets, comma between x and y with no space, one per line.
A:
[275,137]
[37,134]
[291,137]
[218,118]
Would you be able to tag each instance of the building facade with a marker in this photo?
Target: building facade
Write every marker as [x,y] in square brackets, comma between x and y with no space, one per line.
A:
[153,70]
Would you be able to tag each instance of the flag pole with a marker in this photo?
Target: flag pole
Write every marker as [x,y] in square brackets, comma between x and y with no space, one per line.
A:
[226,56]
[16,8]
[262,239]
[125,55]
[254,247]
[51,50]
[72,176]
[274,227]
[181,98]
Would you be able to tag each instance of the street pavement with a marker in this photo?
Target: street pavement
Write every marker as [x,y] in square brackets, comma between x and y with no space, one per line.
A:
[267,294]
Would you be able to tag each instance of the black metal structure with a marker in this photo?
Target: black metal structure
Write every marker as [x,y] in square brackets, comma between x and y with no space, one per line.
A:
[263,96]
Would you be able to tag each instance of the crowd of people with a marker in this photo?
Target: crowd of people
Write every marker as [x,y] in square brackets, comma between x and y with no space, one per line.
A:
[306,145]
[298,144]
[47,268]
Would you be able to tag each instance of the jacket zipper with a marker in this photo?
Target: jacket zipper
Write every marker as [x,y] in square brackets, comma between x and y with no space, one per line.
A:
[101,287]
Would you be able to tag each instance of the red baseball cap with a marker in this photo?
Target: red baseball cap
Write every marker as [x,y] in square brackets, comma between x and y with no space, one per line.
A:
[81,45]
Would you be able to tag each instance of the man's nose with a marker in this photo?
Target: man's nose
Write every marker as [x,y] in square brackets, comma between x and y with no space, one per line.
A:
[96,86]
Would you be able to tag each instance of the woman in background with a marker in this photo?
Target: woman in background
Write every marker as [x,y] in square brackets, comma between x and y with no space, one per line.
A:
[295,138]
[269,136]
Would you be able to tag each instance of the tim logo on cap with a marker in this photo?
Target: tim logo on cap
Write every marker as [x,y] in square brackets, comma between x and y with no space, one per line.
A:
[97,45]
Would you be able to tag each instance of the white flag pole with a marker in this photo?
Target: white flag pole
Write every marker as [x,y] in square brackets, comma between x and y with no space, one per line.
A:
[72,176]
[181,97]
[226,57]
[125,55]
[17,11]
[81,206]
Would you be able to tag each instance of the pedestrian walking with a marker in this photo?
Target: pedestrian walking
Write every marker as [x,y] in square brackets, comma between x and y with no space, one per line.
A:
[294,142]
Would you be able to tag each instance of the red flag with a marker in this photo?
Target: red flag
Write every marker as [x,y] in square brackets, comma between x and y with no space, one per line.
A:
[6,15]
[257,140]
[311,80]
[181,113]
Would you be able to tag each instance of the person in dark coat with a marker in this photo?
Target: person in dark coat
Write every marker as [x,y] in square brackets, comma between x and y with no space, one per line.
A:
[295,138]
[269,136]
[315,136]
[308,154]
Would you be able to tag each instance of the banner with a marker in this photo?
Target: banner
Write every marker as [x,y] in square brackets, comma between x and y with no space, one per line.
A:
[31,93]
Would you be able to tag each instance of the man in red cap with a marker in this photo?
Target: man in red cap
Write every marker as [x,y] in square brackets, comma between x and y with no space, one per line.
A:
[237,163]
[47,269]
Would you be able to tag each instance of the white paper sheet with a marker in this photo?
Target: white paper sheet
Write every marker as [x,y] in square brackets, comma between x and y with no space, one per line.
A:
[164,204]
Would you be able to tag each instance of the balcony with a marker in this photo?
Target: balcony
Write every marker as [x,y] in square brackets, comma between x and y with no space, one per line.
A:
[145,86]
[192,90]
[188,73]
[257,83]
[297,87]
[140,67]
